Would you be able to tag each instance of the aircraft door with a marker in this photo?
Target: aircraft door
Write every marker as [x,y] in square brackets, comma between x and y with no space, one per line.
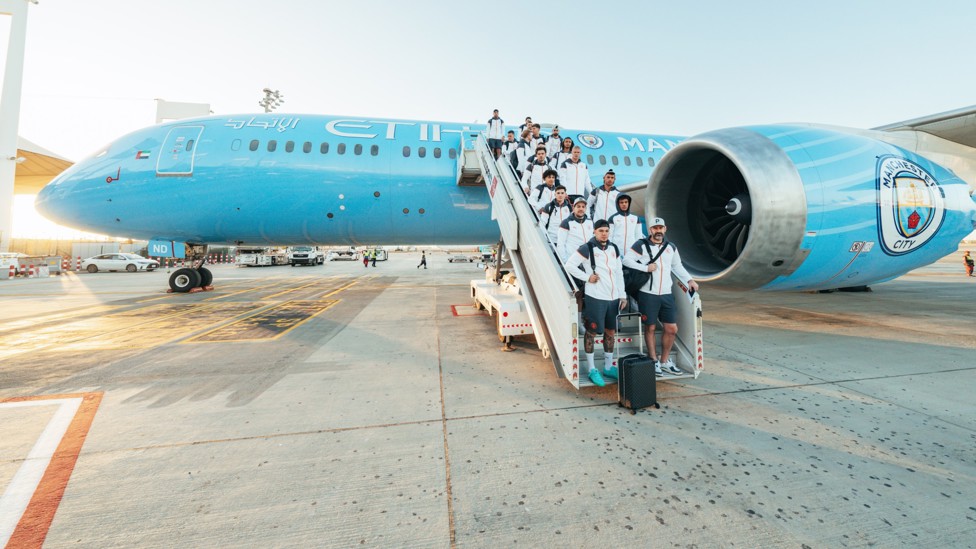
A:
[178,150]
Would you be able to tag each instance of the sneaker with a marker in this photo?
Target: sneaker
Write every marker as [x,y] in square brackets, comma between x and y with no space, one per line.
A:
[670,368]
[610,372]
[596,378]
[657,369]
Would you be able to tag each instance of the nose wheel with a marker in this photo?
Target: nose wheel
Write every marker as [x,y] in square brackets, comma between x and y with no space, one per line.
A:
[195,278]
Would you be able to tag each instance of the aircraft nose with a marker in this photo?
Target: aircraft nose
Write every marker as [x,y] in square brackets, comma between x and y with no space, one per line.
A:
[52,201]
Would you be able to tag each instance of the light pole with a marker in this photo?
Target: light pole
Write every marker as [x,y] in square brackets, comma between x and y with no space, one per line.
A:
[272,99]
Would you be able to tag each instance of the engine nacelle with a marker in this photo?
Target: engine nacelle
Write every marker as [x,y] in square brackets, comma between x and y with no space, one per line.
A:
[789,207]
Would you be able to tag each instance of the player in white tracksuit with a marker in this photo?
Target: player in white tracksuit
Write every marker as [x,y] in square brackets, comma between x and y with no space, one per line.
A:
[575,176]
[655,299]
[553,214]
[602,201]
[574,231]
[625,227]
[605,296]
[534,171]
[543,194]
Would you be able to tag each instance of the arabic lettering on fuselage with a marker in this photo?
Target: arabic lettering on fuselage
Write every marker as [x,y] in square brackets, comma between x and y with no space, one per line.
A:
[424,131]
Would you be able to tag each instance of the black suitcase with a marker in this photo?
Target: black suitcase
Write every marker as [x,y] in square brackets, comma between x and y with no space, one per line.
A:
[636,384]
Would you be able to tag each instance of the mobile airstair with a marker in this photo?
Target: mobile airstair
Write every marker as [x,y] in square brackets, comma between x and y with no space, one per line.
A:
[539,298]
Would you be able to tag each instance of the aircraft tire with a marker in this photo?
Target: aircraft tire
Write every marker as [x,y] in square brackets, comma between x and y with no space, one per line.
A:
[206,277]
[184,280]
[131,268]
[92,269]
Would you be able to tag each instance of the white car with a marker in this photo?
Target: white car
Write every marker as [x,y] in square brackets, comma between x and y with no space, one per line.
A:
[119,262]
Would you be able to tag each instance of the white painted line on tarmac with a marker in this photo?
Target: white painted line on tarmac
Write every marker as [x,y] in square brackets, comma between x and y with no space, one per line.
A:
[21,489]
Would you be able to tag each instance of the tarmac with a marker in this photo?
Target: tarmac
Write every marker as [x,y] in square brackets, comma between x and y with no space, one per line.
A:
[339,406]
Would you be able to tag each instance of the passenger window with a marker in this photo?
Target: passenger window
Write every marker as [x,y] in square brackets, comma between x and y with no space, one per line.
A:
[307,147]
[341,149]
[613,159]
[451,153]
[254,145]
[235,145]
[324,148]
[374,150]
[603,160]
[640,161]
[358,149]
[589,159]
[422,152]
[289,146]
[437,152]
[189,145]
[406,152]
[272,145]
[650,161]
[626,161]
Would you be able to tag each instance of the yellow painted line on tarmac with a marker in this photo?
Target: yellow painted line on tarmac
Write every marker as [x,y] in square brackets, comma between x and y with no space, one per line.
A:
[296,288]
[275,321]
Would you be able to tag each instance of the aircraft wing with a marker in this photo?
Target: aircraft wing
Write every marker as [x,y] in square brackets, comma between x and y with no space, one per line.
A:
[958,126]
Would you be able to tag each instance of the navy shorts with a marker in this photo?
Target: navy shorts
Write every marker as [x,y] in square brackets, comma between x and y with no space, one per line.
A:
[494,144]
[600,314]
[654,307]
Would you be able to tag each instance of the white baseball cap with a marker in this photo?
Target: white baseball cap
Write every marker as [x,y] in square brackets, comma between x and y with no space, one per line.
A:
[655,221]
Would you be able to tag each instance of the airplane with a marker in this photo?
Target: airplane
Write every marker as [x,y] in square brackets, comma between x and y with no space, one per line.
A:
[771,207]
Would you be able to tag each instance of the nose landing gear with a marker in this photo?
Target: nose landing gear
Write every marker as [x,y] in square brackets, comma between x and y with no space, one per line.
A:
[196,277]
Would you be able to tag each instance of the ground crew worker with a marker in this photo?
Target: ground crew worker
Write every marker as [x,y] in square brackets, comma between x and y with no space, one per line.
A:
[602,200]
[423,260]
[575,176]
[660,258]
[365,258]
[604,296]
[967,260]
[625,228]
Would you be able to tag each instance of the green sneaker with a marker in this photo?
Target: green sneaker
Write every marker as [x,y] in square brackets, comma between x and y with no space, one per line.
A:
[596,378]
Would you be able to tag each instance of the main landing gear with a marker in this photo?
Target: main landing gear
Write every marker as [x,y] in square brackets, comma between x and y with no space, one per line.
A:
[196,277]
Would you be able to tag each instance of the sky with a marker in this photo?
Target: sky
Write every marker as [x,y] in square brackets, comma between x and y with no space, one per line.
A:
[93,69]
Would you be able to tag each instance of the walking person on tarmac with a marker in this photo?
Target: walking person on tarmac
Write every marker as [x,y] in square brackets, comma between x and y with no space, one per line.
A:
[365,258]
[602,200]
[604,296]
[423,260]
[967,260]
[660,258]
[373,253]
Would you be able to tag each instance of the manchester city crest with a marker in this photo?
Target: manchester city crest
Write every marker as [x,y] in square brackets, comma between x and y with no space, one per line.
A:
[911,205]
[590,140]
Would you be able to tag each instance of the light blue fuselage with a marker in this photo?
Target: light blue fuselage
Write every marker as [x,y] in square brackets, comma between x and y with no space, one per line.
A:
[308,179]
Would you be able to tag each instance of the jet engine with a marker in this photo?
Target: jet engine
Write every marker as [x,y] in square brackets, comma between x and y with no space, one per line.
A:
[803,207]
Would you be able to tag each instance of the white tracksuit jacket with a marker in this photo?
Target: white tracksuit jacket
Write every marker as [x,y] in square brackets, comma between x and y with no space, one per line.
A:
[608,267]
[668,262]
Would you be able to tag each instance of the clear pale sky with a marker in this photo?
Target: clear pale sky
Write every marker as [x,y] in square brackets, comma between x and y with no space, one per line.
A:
[93,68]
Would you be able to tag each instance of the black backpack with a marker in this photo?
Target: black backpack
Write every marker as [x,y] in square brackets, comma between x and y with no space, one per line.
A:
[635,279]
